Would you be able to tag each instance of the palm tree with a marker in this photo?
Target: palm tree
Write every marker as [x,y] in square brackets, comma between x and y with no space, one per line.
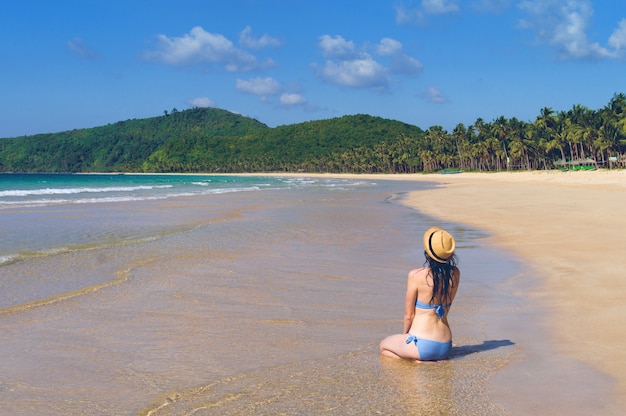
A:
[428,159]
[547,126]
[500,130]
[617,106]
[383,156]
[480,150]
[461,137]
[436,142]
[546,119]
[521,140]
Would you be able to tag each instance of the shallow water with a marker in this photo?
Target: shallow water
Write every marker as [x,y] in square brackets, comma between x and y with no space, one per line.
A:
[272,303]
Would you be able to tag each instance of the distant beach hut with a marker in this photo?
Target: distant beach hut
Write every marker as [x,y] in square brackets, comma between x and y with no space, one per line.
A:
[449,171]
[577,164]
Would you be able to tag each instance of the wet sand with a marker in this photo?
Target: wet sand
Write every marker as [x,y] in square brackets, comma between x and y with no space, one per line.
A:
[271,302]
[568,227]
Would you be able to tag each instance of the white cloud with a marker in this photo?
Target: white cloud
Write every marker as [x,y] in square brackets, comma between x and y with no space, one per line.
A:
[348,67]
[389,47]
[418,15]
[491,6]
[434,95]
[267,88]
[203,102]
[406,65]
[364,72]
[290,100]
[618,38]
[405,15]
[351,67]
[199,46]
[78,47]
[440,6]
[247,40]
[263,87]
[563,25]
[400,62]
[337,47]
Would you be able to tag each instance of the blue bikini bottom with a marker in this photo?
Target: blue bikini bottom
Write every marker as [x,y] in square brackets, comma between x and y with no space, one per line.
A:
[430,350]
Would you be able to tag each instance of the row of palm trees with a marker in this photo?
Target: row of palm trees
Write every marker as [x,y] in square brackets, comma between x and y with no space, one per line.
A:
[554,139]
[580,134]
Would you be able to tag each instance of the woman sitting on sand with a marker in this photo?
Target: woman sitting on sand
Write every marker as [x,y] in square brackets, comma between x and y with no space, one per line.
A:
[429,294]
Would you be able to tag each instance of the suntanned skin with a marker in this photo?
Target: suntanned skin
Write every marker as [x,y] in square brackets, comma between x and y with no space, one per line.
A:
[423,323]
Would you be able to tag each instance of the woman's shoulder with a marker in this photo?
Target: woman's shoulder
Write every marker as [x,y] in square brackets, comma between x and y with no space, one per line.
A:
[419,271]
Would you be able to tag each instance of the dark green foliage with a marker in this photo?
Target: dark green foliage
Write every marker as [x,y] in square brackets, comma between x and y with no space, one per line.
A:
[212,140]
[126,145]
[198,140]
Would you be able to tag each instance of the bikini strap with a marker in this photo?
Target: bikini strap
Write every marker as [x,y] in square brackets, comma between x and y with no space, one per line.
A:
[439,309]
[413,339]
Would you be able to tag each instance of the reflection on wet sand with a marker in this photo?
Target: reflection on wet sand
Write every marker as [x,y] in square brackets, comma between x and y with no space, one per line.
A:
[358,383]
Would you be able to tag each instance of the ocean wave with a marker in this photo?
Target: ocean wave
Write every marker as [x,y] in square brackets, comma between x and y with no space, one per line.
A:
[73,191]
[41,202]
[125,198]
[230,190]
[339,184]
[59,195]
[8,259]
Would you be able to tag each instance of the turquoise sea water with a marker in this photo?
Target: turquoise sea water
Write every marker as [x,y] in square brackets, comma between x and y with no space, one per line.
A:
[39,196]
[33,190]
[51,222]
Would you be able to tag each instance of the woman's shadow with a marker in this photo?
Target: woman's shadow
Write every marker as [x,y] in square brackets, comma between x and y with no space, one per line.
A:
[462,350]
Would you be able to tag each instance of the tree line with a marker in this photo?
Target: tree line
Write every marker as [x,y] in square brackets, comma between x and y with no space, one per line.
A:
[213,140]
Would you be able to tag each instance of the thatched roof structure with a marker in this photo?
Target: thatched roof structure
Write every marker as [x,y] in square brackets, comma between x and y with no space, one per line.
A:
[576,162]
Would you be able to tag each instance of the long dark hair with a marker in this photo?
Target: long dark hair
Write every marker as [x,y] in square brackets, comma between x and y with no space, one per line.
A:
[443,280]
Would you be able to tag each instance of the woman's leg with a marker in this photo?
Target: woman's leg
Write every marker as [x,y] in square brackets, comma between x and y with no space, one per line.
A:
[395,346]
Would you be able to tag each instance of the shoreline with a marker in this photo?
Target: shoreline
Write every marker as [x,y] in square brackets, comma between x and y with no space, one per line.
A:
[568,227]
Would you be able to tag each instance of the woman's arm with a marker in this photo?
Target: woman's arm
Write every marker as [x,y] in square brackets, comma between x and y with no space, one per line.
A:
[409,301]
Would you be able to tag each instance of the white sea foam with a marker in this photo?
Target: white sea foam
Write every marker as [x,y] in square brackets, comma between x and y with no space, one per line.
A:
[8,259]
[175,186]
[72,191]
[129,198]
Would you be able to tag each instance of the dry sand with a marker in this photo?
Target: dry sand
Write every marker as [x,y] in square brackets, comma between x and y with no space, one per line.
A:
[570,227]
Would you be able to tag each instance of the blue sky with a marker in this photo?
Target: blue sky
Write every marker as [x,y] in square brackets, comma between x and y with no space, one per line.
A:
[85,63]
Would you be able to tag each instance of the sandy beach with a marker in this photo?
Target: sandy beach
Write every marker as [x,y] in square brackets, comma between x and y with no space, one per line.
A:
[569,227]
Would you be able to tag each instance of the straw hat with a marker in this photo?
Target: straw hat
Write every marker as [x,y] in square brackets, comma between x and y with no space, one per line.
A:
[439,244]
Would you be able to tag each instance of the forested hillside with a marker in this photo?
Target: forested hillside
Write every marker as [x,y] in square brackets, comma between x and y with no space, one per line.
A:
[200,140]
[213,140]
[125,145]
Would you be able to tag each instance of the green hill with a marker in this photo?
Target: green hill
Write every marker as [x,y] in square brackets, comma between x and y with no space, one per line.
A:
[202,140]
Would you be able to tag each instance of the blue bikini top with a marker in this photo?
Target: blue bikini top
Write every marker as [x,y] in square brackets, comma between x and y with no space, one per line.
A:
[439,309]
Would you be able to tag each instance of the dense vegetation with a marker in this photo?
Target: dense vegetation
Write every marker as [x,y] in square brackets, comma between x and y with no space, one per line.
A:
[212,140]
